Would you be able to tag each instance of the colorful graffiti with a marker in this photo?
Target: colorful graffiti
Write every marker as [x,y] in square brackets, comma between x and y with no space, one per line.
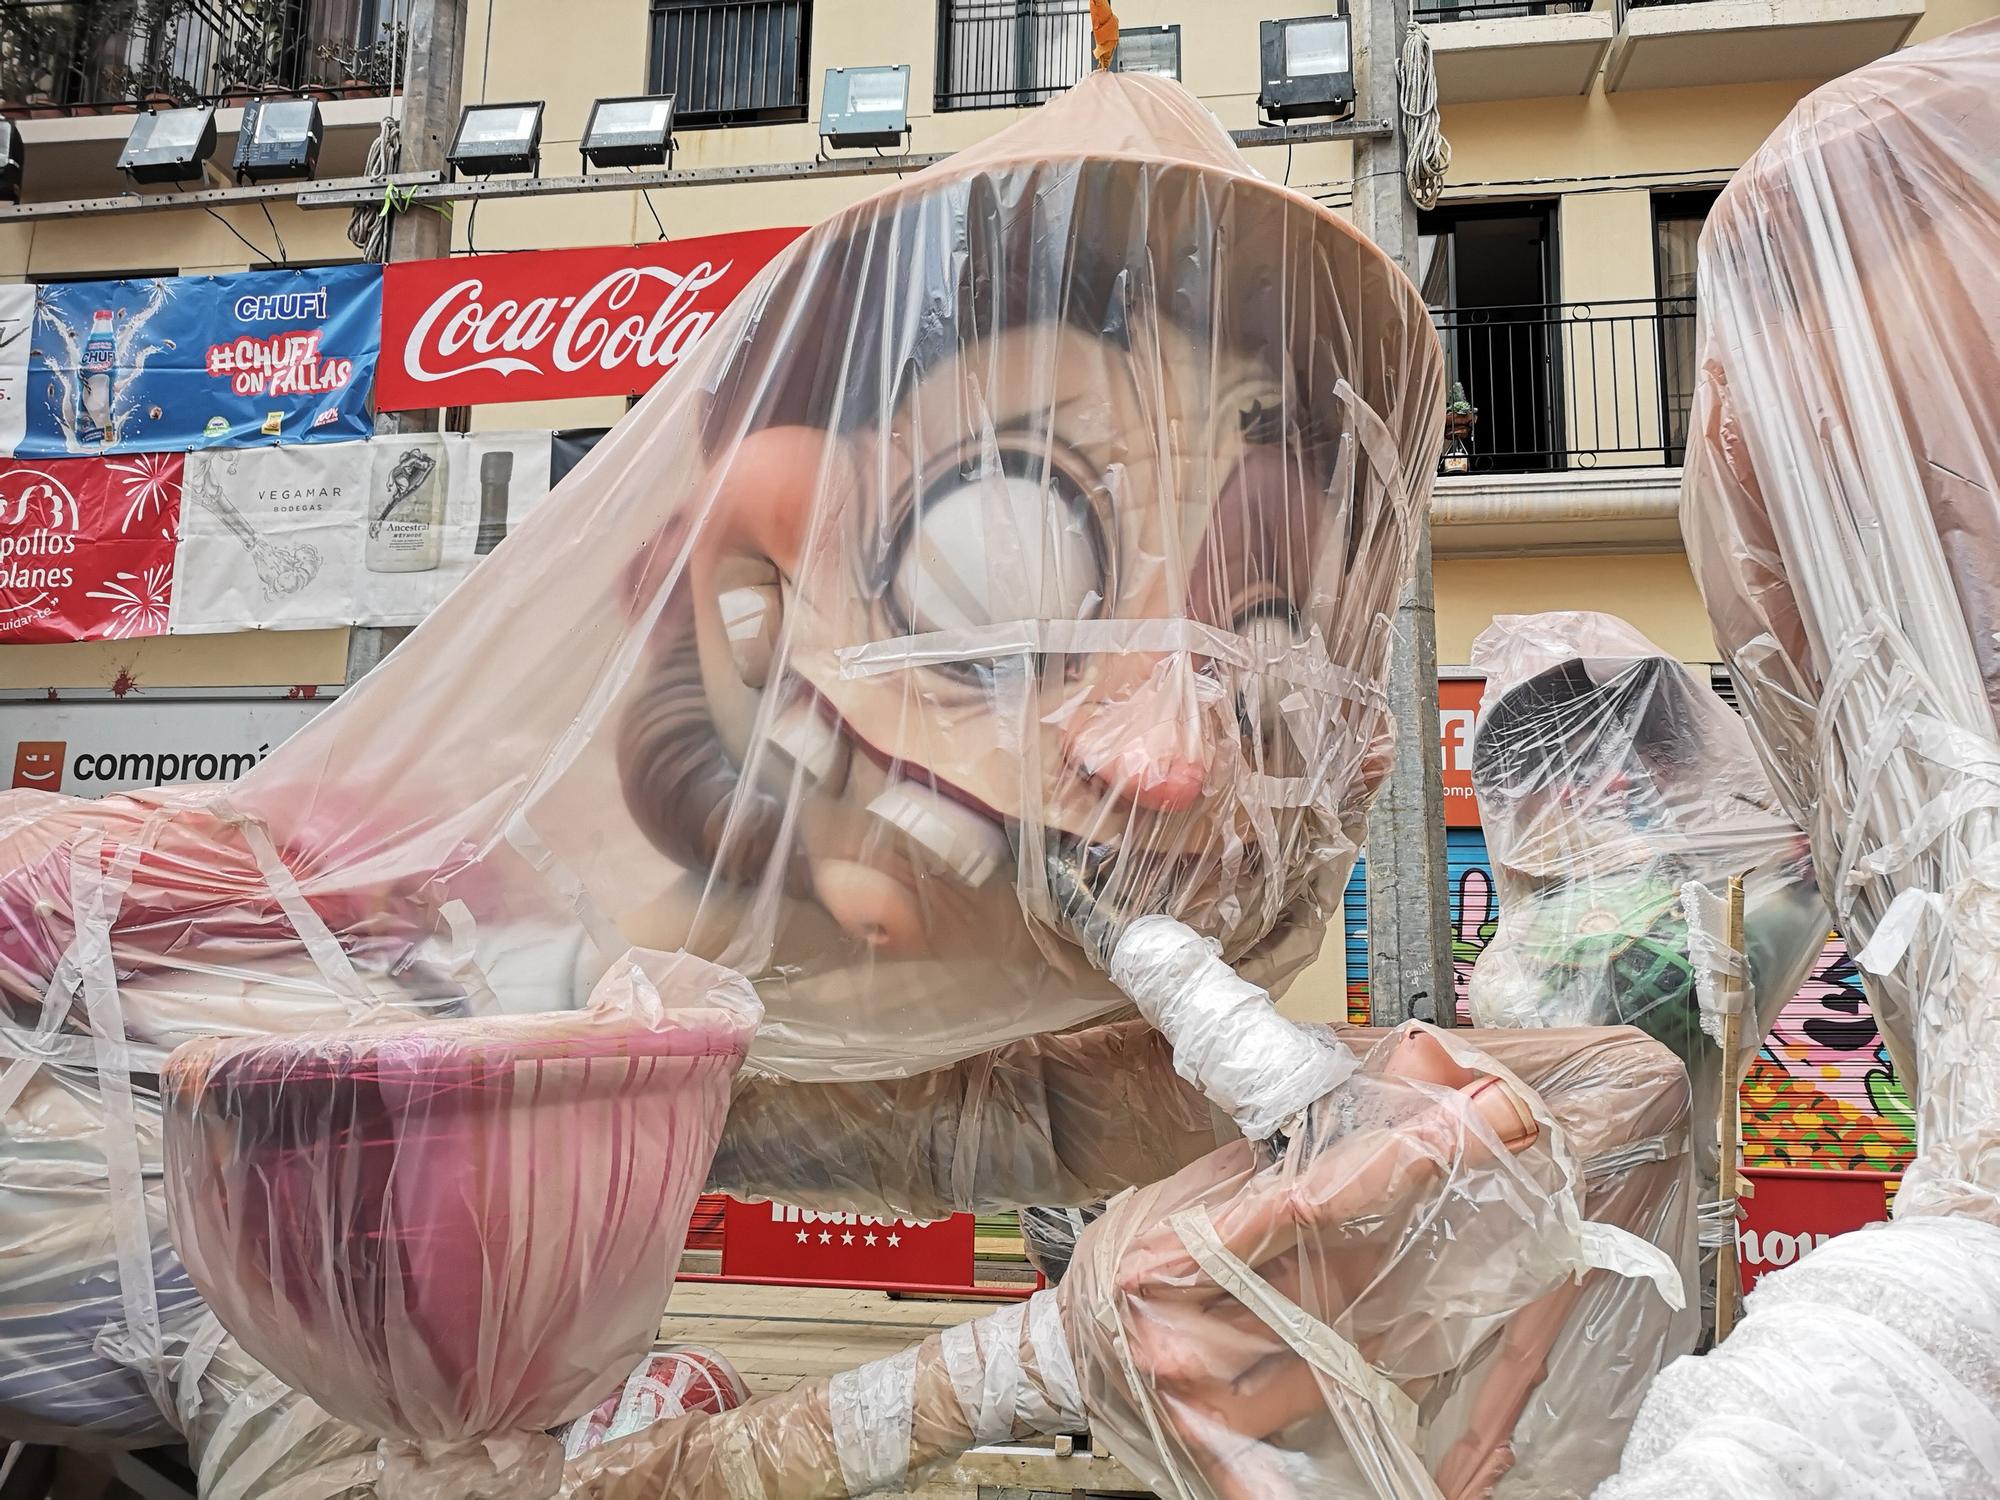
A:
[1823,1092]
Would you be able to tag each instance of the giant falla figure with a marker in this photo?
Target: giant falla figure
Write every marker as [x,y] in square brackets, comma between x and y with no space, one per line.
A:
[1001,589]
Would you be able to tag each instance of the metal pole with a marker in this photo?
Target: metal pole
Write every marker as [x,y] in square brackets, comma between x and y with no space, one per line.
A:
[432,89]
[1409,912]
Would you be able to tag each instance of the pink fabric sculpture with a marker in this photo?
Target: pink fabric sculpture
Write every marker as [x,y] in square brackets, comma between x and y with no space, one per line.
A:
[454,1233]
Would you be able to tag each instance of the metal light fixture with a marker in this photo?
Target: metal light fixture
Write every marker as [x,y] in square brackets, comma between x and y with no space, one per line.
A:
[1149,49]
[1308,67]
[865,106]
[279,139]
[170,145]
[497,138]
[12,160]
[637,131]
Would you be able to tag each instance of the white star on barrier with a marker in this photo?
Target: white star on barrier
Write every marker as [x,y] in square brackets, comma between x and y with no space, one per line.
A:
[826,1237]
[868,1239]
[848,1238]
[802,1236]
[895,1239]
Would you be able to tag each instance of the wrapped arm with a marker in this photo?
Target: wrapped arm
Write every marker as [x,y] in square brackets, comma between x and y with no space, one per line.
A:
[1065,1119]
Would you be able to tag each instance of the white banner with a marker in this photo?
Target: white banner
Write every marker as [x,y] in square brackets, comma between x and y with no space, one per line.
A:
[328,534]
[17,333]
[96,747]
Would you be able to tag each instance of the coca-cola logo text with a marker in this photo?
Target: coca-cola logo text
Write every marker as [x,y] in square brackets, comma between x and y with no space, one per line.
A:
[602,326]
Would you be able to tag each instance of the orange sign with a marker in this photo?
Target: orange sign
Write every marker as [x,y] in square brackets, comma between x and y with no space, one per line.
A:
[1458,706]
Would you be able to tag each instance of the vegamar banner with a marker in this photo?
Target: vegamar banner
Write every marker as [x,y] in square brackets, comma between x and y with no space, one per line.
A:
[373,533]
[545,324]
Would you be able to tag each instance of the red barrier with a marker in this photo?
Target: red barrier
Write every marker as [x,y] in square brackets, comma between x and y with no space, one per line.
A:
[774,1244]
[1793,1210]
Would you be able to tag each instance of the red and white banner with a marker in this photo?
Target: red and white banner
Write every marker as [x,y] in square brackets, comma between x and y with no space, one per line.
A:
[545,324]
[1789,1212]
[777,1244]
[87,547]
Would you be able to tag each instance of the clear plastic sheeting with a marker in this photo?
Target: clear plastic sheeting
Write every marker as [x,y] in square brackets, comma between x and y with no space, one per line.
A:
[1610,778]
[1841,506]
[1619,795]
[1455,1277]
[452,1233]
[1868,1371]
[1026,533]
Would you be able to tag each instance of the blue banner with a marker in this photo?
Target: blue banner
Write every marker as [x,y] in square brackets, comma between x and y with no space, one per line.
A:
[203,361]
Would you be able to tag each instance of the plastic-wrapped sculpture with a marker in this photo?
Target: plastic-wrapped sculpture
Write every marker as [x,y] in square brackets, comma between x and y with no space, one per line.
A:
[1842,511]
[1610,779]
[1011,563]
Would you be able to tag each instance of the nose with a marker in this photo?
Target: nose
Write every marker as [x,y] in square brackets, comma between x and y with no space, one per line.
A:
[1144,736]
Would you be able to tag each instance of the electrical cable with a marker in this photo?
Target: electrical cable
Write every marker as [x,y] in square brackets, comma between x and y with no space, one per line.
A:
[643,193]
[1426,153]
[368,225]
[254,248]
[284,255]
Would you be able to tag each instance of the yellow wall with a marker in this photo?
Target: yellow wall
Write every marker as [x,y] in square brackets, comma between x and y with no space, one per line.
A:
[265,658]
[1654,592]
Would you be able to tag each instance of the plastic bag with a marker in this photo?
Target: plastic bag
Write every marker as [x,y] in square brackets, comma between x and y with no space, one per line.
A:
[1841,505]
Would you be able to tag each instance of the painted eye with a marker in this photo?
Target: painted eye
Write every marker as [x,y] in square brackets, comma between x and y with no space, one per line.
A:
[1273,627]
[1013,540]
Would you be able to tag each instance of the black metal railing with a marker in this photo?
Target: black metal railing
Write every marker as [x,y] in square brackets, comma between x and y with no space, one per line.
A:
[1494,10]
[994,54]
[732,62]
[1572,384]
[79,56]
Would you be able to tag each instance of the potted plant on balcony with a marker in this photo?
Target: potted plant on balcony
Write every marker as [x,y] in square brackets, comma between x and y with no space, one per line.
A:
[1460,417]
[370,69]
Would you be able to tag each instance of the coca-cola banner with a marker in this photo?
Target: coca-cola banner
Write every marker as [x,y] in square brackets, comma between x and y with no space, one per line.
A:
[87,547]
[545,324]
[179,362]
[373,533]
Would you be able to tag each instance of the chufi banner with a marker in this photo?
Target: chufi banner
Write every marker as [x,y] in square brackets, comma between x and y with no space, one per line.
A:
[181,362]
[373,533]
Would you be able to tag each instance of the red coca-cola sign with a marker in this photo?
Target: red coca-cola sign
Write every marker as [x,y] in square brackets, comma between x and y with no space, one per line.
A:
[87,547]
[545,324]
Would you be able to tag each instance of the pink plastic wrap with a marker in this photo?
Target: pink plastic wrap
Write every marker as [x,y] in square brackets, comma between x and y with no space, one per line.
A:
[454,1233]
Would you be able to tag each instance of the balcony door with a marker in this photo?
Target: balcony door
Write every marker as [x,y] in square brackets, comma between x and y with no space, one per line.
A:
[1677,221]
[1488,272]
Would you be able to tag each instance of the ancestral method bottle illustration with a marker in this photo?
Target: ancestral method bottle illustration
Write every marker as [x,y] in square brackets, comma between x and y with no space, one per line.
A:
[94,376]
[496,474]
[406,508]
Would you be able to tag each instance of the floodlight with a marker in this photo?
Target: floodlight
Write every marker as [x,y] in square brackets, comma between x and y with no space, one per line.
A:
[631,132]
[498,138]
[865,106]
[11,161]
[1308,67]
[169,145]
[1149,49]
[279,138]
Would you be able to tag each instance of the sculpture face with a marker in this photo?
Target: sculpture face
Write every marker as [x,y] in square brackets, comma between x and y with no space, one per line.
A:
[1064,602]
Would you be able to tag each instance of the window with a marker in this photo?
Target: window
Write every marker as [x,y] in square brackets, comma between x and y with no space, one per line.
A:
[731,62]
[1677,221]
[1000,53]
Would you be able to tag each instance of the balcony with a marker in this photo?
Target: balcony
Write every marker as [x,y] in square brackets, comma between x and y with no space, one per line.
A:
[1516,49]
[85,57]
[1004,54]
[1572,385]
[1664,46]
